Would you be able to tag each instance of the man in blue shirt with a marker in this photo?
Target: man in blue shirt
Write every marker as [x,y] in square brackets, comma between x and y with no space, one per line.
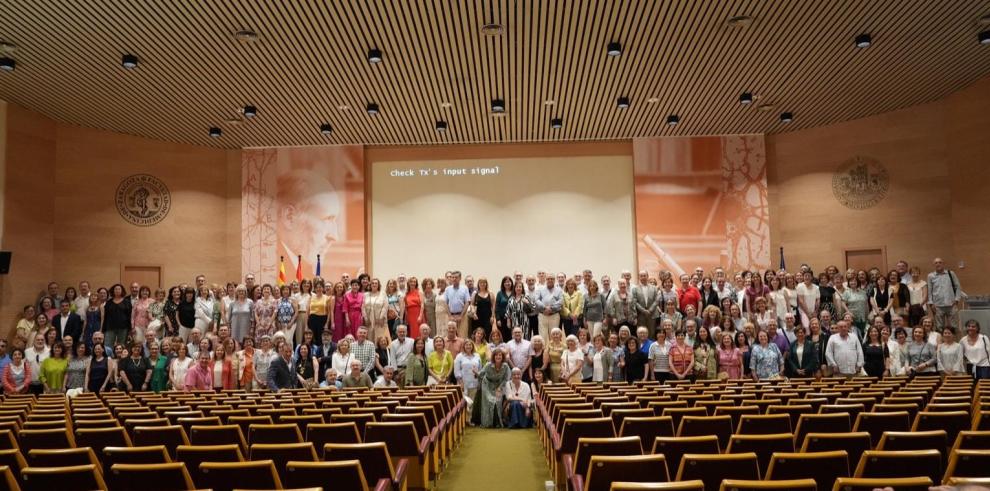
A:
[458,300]
[549,300]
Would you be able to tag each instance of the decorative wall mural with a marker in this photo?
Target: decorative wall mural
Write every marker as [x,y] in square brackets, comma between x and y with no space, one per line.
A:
[860,183]
[143,200]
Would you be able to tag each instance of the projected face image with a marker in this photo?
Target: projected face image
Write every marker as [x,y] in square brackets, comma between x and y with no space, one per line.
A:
[308,214]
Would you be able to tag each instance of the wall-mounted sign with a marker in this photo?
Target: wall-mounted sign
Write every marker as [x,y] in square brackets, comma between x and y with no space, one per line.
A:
[860,183]
[143,200]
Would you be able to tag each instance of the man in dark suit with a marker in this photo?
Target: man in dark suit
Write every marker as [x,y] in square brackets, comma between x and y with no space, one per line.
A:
[282,371]
[68,323]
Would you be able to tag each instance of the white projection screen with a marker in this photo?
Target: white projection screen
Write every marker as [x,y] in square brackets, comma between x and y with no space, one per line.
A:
[491,217]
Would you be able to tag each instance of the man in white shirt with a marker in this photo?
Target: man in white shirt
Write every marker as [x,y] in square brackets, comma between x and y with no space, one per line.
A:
[585,281]
[905,272]
[82,301]
[520,352]
[426,333]
[195,334]
[843,352]
[548,303]
[722,287]
[388,378]
[458,300]
[37,353]
[789,325]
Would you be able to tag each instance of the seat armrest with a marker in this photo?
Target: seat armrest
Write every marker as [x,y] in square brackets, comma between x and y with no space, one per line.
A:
[400,474]
[555,440]
[383,485]
[577,482]
[434,433]
[424,445]
[567,462]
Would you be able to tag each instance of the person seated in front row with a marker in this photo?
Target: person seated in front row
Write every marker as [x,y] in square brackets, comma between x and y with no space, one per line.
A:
[387,378]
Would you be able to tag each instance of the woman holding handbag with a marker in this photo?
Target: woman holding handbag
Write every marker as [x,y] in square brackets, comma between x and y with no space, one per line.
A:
[976,349]
[705,356]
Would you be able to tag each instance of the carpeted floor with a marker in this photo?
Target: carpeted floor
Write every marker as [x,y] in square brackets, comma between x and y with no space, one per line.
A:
[496,459]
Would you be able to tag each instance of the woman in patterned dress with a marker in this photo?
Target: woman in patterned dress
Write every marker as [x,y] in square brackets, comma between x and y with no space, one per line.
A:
[264,314]
[285,314]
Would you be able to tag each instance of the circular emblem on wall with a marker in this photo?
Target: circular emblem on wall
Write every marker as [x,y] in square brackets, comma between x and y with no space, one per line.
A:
[143,200]
[860,183]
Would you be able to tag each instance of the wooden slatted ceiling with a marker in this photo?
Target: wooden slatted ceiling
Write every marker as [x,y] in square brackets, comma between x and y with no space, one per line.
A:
[549,62]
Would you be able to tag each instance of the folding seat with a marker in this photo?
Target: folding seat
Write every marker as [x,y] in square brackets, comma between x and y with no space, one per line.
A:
[274,433]
[647,429]
[764,424]
[981,421]
[226,414]
[155,454]
[301,421]
[44,425]
[8,440]
[218,435]
[968,463]
[131,423]
[577,464]
[720,426]
[360,419]
[188,423]
[605,469]
[736,412]
[823,467]
[321,434]
[344,474]
[948,407]
[150,477]
[282,453]
[608,407]
[169,436]
[658,407]
[64,478]
[227,476]
[746,485]
[897,463]
[794,411]
[852,410]
[404,444]
[916,440]
[713,468]
[245,422]
[952,422]
[13,459]
[56,438]
[854,443]
[174,416]
[664,486]
[919,483]
[867,402]
[193,455]
[95,423]
[620,415]
[821,423]
[376,462]
[64,456]
[877,423]
[8,481]
[438,453]
[565,439]
[764,446]
[677,414]
[972,440]
[674,448]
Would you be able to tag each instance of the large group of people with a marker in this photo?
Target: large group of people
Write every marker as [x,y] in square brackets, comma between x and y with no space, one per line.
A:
[500,346]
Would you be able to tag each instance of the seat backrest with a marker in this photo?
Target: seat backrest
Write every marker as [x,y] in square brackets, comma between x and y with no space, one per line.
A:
[674,448]
[321,434]
[694,485]
[193,455]
[574,429]
[227,476]
[245,422]
[152,477]
[720,426]
[951,421]
[748,485]
[764,424]
[282,453]
[713,468]
[376,462]
[47,457]
[590,447]
[170,436]
[51,438]
[344,474]
[821,423]
[360,419]
[418,421]
[915,440]
[647,429]
[894,463]
[605,469]
[764,446]
[824,467]
[870,484]
[972,440]
[274,433]
[968,463]
[14,459]
[877,423]
[854,443]
[8,481]
[152,454]
[65,478]
[399,436]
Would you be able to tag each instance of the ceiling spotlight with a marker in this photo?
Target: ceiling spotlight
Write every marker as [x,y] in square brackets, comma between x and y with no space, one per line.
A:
[7,64]
[375,55]
[786,117]
[326,129]
[441,126]
[446,105]
[129,61]
[863,41]
[984,37]
[344,107]
[673,119]
[739,21]
[498,105]
[746,98]
[246,36]
[372,108]
[215,132]
[653,100]
[7,48]
[622,102]
[614,49]
[549,102]
[250,111]
[492,29]
[556,123]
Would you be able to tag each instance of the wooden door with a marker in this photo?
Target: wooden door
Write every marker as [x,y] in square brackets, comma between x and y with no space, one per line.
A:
[150,276]
[866,258]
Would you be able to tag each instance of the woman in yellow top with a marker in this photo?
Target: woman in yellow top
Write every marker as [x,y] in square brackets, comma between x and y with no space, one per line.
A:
[480,346]
[572,308]
[440,362]
[24,327]
[318,320]
[555,350]
[52,372]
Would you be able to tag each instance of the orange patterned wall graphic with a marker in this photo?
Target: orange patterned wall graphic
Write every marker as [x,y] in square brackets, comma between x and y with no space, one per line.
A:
[701,201]
[304,201]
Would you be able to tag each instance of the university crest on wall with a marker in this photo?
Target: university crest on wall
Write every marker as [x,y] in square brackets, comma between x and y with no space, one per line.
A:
[143,200]
[860,183]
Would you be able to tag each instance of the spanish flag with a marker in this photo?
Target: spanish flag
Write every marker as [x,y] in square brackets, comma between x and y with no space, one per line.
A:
[281,270]
[299,269]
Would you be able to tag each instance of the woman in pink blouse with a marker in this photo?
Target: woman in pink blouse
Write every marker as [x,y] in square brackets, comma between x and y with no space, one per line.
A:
[730,359]
[139,314]
[353,305]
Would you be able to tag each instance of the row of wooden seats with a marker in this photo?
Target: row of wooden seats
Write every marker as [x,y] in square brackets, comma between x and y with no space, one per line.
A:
[841,484]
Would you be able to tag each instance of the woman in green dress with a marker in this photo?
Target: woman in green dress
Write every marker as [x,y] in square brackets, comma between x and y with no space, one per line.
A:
[493,379]
[159,368]
[416,365]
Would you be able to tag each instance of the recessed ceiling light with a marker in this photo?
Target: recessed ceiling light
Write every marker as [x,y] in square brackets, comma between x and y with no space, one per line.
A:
[653,100]
[441,126]
[498,105]
[864,41]
[765,107]
[375,55]
[7,48]
[344,107]
[129,61]
[739,21]
[372,108]
[983,21]
[446,105]
[250,111]
[746,98]
[246,36]
[984,37]
[622,102]
[614,48]
[673,119]
[556,123]
[786,117]
[549,102]
[215,132]
[492,29]
[326,129]
[7,64]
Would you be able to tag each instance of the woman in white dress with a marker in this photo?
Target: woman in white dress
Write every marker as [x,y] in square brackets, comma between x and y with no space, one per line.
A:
[375,310]
[443,311]
[340,362]
[949,355]
[204,311]
[180,365]
[779,298]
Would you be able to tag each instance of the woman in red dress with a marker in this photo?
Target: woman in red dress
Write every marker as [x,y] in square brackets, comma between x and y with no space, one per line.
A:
[413,307]
[353,304]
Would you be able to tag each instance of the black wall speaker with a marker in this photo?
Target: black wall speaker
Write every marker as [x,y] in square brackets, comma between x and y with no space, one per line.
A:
[5,262]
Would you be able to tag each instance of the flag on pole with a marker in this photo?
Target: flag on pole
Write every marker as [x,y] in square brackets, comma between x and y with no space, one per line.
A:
[299,268]
[782,259]
[317,266]
[281,270]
